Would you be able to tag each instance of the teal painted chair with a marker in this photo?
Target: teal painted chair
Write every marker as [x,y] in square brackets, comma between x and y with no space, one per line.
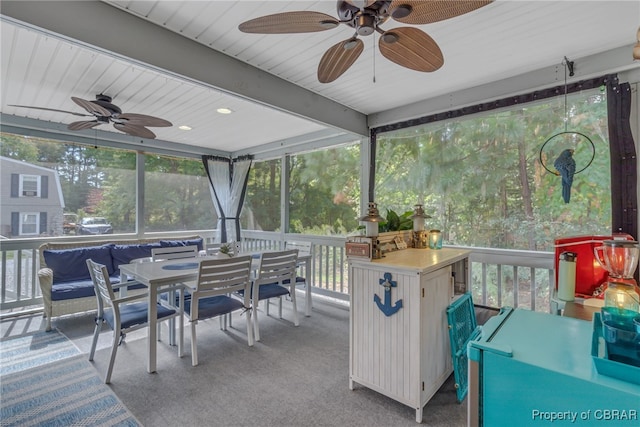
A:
[463,327]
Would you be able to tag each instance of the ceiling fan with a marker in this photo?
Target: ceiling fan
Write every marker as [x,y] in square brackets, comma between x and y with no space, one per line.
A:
[406,46]
[105,112]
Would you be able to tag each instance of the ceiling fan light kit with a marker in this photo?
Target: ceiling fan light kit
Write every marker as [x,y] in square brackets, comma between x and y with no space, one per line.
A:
[408,47]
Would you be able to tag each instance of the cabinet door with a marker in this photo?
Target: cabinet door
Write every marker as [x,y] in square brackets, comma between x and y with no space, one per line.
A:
[436,364]
[385,349]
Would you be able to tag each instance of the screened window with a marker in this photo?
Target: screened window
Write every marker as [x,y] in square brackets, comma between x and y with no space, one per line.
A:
[177,195]
[90,182]
[324,191]
[484,178]
[261,209]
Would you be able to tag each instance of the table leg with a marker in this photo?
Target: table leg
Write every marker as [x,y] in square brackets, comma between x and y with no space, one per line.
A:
[153,331]
[172,322]
[307,281]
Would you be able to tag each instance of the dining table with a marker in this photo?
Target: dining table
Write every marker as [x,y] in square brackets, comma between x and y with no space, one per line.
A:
[164,275]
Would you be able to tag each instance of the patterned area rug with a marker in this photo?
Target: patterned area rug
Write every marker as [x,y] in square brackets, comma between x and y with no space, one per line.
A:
[46,381]
[34,349]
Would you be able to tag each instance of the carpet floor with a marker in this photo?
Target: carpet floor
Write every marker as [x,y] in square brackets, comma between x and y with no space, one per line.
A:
[295,376]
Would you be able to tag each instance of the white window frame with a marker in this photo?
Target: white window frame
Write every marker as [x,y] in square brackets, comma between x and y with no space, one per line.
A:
[24,216]
[29,178]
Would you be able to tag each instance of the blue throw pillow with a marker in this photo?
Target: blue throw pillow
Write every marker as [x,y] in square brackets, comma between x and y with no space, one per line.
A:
[173,243]
[124,254]
[71,264]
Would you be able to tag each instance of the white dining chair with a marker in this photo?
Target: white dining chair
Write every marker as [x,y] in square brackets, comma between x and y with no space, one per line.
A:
[216,295]
[304,249]
[123,314]
[173,253]
[275,278]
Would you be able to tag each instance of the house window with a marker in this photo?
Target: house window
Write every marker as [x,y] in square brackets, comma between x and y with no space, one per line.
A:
[29,224]
[29,185]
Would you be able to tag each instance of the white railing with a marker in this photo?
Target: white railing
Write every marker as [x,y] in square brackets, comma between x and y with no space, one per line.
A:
[501,277]
[498,277]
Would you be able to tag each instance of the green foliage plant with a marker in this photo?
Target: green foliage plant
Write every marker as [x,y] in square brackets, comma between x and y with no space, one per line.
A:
[395,222]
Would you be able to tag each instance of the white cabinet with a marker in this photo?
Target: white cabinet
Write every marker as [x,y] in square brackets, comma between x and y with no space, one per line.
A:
[399,342]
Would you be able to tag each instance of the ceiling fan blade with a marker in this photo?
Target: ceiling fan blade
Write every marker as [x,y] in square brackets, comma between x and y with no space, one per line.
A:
[92,107]
[52,109]
[142,120]
[290,22]
[85,124]
[338,59]
[419,12]
[412,48]
[134,130]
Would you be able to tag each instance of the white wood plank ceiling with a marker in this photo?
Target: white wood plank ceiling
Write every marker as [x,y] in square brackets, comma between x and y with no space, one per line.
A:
[499,41]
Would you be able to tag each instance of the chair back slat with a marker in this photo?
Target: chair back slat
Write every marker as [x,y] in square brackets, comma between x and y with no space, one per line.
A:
[276,267]
[102,284]
[222,276]
[174,252]
[304,248]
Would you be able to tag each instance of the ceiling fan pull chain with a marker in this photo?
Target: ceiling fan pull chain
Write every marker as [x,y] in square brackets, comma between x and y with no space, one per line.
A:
[373,50]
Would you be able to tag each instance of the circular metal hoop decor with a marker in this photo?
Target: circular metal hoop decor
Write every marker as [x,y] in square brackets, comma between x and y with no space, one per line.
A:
[562,134]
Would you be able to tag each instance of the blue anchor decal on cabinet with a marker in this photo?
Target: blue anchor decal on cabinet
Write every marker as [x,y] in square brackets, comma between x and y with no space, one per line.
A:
[387,308]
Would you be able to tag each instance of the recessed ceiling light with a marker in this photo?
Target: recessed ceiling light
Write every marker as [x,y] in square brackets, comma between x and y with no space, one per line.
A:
[184,127]
[224,110]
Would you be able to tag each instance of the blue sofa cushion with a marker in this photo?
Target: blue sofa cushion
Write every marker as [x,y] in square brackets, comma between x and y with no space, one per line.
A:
[173,243]
[82,288]
[76,289]
[124,254]
[70,265]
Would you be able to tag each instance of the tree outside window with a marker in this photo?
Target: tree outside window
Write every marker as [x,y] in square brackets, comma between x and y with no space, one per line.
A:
[481,178]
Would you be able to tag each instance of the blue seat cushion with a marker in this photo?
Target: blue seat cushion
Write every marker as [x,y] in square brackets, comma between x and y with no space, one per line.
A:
[271,290]
[135,314]
[70,265]
[82,288]
[214,306]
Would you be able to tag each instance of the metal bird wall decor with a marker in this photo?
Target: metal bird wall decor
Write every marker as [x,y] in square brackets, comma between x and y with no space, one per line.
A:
[566,166]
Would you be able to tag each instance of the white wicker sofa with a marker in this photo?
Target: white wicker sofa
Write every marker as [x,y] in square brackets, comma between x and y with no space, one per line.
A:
[64,278]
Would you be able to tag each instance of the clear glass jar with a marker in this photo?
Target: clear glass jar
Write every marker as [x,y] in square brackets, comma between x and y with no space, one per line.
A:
[622,296]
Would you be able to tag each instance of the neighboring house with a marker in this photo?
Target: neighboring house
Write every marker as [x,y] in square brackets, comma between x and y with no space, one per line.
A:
[32,204]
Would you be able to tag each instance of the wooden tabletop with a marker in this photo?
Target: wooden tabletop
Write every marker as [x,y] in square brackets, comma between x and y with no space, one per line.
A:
[579,311]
